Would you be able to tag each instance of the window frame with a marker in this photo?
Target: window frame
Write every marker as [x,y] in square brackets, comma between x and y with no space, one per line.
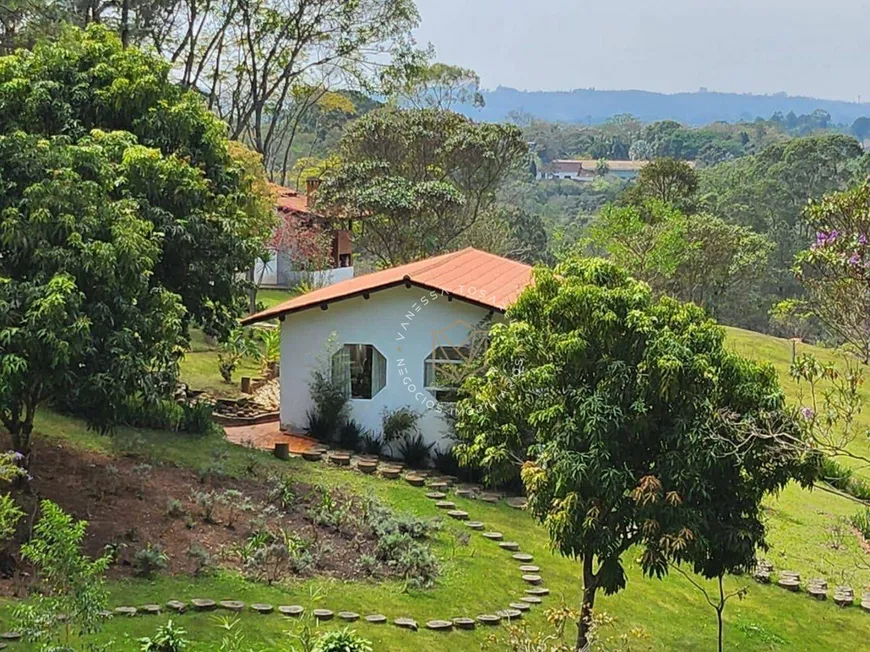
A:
[375,353]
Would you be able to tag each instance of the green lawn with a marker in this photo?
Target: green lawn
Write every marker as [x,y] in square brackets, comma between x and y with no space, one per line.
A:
[199,369]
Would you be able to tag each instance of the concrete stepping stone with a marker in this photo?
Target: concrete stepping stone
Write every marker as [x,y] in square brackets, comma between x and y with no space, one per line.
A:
[202,604]
[844,596]
[517,502]
[150,609]
[439,486]
[790,583]
[348,616]
[817,592]
[531,599]
[533,579]
[489,498]
[177,606]
[232,605]
[540,591]
[475,525]
[312,455]
[11,636]
[529,569]
[106,614]
[465,493]
[390,473]
[323,614]
[511,614]
[520,606]
[523,557]
[458,514]
[489,619]
[376,619]
[406,623]
[436,495]
[415,480]
[262,609]
[465,623]
[293,610]
[865,605]
[439,625]
[493,536]
[3,646]
[512,546]
[126,611]
[762,576]
[367,467]
[445,504]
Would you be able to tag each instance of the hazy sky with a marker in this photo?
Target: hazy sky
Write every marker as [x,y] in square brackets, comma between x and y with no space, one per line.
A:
[803,47]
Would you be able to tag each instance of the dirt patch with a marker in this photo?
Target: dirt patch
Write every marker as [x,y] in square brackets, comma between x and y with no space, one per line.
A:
[125,503]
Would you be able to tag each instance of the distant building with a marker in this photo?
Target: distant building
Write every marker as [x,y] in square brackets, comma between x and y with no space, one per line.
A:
[586,169]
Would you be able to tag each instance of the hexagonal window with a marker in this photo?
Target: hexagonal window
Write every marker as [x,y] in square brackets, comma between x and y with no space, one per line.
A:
[360,370]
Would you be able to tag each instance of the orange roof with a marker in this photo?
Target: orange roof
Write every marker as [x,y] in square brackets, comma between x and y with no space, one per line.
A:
[290,201]
[471,275]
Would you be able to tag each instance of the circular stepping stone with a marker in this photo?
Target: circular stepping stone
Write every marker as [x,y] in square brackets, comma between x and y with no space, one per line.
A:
[513,546]
[11,636]
[458,514]
[406,623]
[475,525]
[465,493]
[323,614]
[177,606]
[445,504]
[121,611]
[489,498]
[376,619]
[390,474]
[106,614]
[493,536]
[511,614]
[436,495]
[201,604]
[519,606]
[489,619]
[439,486]
[523,557]
[293,610]
[340,459]
[531,599]
[232,605]
[367,467]
[439,625]
[865,605]
[529,569]
[533,579]
[312,456]
[348,616]
[465,623]
[789,583]
[817,592]
[415,480]
[262,609]
[516,503]
[150,609]
[538,592]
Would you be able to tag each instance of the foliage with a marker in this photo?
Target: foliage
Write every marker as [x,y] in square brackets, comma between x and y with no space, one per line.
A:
[238,345]
[371,444]
[414,450]
[342,641]
[666,180]
[167,638]
[635,427]
[422,177]
[398,423]
[149,561]
[350,435]
[270,338]
[844,479]
[174,508]
[330,406]
[68,583]
[860,520]
[434,86]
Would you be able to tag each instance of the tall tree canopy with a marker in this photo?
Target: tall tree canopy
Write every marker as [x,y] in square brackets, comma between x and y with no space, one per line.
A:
[631,420]
[418,178]
[125,215]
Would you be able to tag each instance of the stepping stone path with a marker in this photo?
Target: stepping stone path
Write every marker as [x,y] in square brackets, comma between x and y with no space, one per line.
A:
[323,614]
[493,536]
[106,614]
[312,455]
[523,557]
[511,614]
[489,498]
[531,599]
[533,579]
[512,546]
[293,610]
[415,480]
[763,571]
[516,503]
[201,604]
[789,582]
[390,473]
[844,596]
[126,611]
[439,625]
[150,609]
[436,495]
[438,486]
[406,623]
[376,619]
[865,601]
[458,514]
[465,493]
[348,616]
[445,504]
[177,606]
[232,605]
[340,459]
[475,525]
[818,589]
[367,467]
[538,592]
[489,619]
[262,609]
[530,569]
[520,606]
[465,623]
[11,636]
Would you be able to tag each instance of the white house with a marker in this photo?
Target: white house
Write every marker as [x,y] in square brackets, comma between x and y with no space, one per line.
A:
[393,337]
[587,169]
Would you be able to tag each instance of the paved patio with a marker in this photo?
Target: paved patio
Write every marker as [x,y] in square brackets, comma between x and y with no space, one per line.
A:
[265,435]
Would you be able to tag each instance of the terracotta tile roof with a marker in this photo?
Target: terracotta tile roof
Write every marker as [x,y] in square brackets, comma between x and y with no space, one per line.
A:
[470,275]
[576,166]
[290,201]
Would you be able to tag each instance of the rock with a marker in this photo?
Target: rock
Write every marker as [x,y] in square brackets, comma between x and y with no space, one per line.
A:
[532,579]
[475,525]
[293,610]
[489,619]
[415,480]
[376,619]
[177,606]
[458,514]
[439,625]
[523,557]
[124,611]
[530,569]
[348,616]
[513,546]
[262,609]
[445,504]
[531,599]
[406,623]
[150,609]
[511,614]
[201,604]
[520,606]
[323,614]
[465,623]
[232,605]
[538,592]
[493,536]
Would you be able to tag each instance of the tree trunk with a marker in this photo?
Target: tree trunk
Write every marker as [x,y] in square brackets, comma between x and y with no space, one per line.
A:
[125,23]
[719,609]
[584,625]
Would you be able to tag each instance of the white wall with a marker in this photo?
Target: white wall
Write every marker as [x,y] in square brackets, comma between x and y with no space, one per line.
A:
[403,324]
[318,278]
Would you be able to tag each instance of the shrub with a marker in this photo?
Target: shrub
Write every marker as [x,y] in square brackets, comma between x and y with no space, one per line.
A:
[844,479]
[415,451]
[196,418]
[282,492]
[168,638]
[234,503]
[861,521]
[319,427]
[174,508]
[207,502]
[149,560]
[371,444]
[341,641]
[399,423]
[413,560]
[203,561]
[349,435]
[330,405]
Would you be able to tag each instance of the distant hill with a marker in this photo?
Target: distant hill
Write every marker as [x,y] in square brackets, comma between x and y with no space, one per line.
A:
[593,106]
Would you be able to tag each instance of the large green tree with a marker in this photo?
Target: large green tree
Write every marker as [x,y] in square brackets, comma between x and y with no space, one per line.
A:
[125,216]
[418,179]
[634,425]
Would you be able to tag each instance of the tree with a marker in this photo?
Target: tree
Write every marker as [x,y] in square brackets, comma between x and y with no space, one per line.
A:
[624,411]
[435,86]
[125,216]
[860,128]
[419,178]
[666,180]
